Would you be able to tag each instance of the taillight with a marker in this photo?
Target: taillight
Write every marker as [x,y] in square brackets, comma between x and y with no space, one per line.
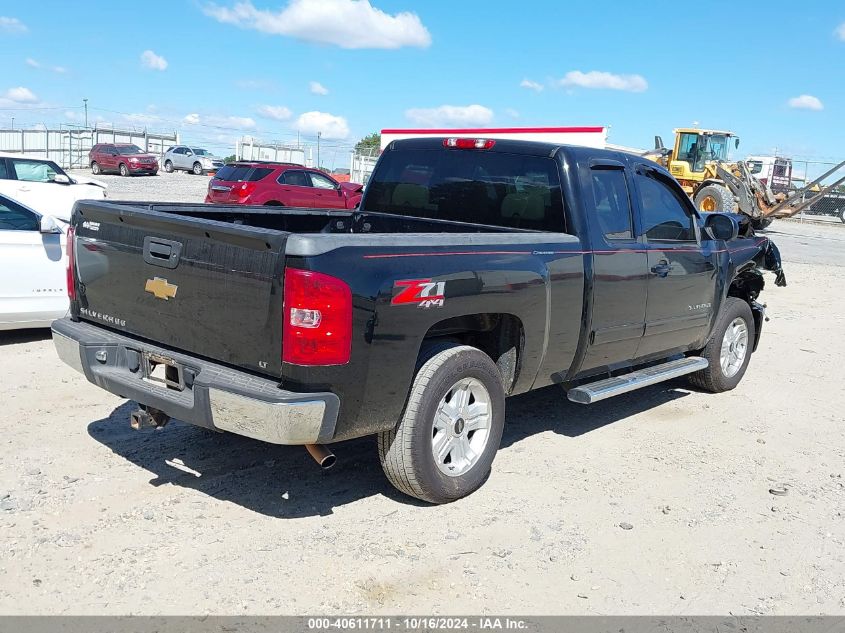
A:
[71,262]
[317,327]
[245,189]
[469,143]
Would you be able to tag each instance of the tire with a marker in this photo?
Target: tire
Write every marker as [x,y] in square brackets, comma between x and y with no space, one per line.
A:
[197,169]
[715,378]
[124,170]
[168,166]
[842,214]
[758,224]
[407,452]
[95,168]
[717,196]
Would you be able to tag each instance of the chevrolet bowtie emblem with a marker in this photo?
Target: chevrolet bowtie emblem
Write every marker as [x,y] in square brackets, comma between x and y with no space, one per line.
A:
[160,288]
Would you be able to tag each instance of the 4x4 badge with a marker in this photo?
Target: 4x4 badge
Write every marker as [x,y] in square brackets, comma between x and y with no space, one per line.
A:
[160,288]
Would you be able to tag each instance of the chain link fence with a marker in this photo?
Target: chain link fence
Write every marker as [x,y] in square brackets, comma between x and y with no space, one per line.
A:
[831,207]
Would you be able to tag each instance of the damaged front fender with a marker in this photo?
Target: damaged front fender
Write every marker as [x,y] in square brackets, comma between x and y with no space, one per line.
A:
[772,262]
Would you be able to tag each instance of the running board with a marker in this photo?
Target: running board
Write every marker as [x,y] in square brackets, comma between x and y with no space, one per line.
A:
[609,387]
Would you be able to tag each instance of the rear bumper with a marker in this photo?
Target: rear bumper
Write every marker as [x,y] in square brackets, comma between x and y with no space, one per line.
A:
[214,396]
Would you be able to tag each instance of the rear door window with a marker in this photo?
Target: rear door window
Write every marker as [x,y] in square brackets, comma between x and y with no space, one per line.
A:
[476,186]
[612,203]
[295,178]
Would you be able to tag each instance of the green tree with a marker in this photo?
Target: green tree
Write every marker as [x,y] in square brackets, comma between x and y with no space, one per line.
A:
[230,159]
[370,143]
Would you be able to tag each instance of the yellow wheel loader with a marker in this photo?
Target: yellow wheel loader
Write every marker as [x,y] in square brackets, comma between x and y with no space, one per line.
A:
[699,161]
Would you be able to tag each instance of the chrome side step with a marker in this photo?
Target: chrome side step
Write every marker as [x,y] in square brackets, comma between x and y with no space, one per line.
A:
[609,387]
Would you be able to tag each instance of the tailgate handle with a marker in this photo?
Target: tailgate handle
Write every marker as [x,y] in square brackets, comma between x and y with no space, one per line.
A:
[164,253]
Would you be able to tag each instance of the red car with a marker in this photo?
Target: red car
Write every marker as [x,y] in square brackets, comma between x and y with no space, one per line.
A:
[122,158]
[280,185]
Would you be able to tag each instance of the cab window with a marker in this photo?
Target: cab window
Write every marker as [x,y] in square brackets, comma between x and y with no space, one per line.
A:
[663,214]
[15,218]
[34,170]
[321,182]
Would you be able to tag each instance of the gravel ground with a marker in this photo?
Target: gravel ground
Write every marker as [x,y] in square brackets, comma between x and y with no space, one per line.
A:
[664,501]
[176,187]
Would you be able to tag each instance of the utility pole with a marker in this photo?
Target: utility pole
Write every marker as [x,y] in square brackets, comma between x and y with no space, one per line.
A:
[319,134]
[13,123]
[85,101]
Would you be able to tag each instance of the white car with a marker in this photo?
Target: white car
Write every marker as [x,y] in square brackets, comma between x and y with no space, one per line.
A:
[44,186]
[33,267]
[193,159]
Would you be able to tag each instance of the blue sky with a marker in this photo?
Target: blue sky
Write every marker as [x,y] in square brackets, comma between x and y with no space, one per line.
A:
[270,68]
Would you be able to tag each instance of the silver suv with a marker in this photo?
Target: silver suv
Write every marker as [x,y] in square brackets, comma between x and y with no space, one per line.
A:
[194,159]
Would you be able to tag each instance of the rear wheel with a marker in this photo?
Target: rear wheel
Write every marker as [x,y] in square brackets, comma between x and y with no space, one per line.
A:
[197,169]
[124,170]
[95,168]
[444,445]
[715,198]
[729,349]
[168,166]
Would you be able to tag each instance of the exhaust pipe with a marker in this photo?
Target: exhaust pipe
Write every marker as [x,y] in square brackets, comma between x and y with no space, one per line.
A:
[321,455]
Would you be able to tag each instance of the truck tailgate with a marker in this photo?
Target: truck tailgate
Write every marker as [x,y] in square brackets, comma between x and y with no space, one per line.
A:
[209,288]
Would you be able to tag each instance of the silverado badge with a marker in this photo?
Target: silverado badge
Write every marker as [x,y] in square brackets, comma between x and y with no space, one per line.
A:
[160,288]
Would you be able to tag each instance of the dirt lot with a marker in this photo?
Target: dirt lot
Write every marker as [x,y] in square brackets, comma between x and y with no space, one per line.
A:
[655,502]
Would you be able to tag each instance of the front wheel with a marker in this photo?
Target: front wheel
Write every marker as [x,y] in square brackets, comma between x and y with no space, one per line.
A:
[444,445]
[729,348]
[197,169]
[715,198]
[95,169]
[124,170]
[168,166]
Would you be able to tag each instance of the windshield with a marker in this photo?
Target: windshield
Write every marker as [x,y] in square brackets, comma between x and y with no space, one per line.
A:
[128,150]
[715,147]
[493,188]
[756,166]
[200,152]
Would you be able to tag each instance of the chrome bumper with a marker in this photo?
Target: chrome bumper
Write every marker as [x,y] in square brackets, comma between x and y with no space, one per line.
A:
[215,397]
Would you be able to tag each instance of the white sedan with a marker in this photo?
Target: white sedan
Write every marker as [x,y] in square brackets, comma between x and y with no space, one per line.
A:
[44,186]
[33,267]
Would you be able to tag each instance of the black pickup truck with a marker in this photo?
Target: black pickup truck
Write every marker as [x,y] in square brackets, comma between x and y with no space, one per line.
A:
[473,270]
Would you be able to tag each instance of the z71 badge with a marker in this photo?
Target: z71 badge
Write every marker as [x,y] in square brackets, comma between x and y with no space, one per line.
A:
[424,293]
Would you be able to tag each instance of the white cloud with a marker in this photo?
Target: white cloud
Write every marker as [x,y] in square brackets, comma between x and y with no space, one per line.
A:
[446,115]
[278,113]
[599,80]
[343,23]
[317,88]
[805,102]
[12,25]
[840,31]
[34,63]
[224,122]
[514,114]
[20,95]
[152,61]
[329,125]
[531,85]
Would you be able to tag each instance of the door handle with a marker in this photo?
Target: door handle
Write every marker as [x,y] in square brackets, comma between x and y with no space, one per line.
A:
[662,268]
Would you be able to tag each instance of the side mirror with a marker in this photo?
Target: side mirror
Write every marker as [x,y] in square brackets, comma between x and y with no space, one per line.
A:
[736,143]
[48,225]
[721,226]
[61,179]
